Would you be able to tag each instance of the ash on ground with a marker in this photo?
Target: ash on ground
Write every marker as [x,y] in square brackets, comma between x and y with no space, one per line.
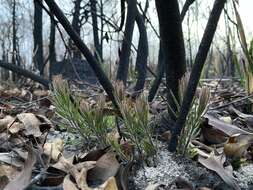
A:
[169,167]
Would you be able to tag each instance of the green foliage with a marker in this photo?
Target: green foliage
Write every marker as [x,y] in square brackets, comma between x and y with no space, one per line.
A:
[135,117]
[94,125]
[88,121]
[198,109]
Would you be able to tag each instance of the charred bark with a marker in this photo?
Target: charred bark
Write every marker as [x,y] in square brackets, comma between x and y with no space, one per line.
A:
[142,53]
[185,8]
[197,69]
[18,70]
[159,76]
[52,53]
[98,47]
[122,71]
[172,43]
[75,53]
[103,79]
[38,38]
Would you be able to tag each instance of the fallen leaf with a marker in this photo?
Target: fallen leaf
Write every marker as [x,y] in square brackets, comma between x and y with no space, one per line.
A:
[215,163]
[31,124]
[110,184]
[247,118]
[8,170]
[237,145]
[123,175]
[226,128]
[15,92]
[212,135]
[15,127]
[106,167]
[5,122]
[78,172]
[40,93]
[68,184]
[54,149]
[91,156]
[11,159]
[23,179]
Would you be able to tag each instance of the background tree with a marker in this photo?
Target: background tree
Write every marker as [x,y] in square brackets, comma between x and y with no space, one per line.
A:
[123,67]
[38,38]
[172,44]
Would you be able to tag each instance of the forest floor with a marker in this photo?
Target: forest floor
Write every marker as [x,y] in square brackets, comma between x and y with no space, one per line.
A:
[37,152]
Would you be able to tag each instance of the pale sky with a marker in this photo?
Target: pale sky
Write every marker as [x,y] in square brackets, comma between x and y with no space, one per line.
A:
[26,46]
[246,11]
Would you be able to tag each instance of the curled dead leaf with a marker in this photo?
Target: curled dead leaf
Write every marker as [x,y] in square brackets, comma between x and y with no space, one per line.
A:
[54,149]
[215,163]
[106,167]
[31,124]
[237,145]
[7,120]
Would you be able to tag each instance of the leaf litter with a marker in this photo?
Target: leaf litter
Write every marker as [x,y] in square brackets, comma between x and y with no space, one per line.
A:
[32,121]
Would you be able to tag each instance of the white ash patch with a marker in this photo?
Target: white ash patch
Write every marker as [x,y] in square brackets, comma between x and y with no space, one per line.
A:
[245,176]
[169,167]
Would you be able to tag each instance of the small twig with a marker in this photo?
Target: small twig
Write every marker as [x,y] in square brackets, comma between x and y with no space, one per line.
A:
[230,103]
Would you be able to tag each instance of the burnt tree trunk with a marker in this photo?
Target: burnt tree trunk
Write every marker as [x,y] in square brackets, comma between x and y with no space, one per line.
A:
[172,43]
[18,70]
[14,37]
[98,48]
[196,70]
[75,53]
[160,70]
[38,38]
[142,53]
[185,8]
[122,71]
[159,76]
[52,53]
[95,65]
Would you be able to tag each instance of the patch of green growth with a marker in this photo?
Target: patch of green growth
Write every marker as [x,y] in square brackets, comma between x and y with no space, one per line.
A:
[98,129]
[81,117]
[135,114]
[197,110]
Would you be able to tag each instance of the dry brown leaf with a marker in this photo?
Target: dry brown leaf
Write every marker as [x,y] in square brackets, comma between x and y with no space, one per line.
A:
[54,149]
[5,122]
[68,184]
[8,171]
[74,170]
[237,145]
[106,167]
[247,118]
[123,175]
[23,179]
[226,128]
[15,92]
[9,158]
[40,93]
[31,124]
[215,163]
[110,184]
[93,155]
[15,127]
